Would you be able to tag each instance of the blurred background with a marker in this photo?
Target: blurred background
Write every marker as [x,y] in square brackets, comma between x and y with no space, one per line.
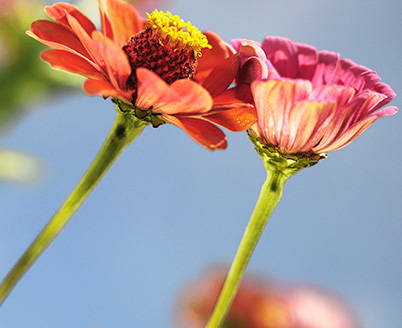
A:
[169,209]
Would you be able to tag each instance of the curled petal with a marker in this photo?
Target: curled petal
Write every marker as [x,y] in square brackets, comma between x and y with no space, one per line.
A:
[222,76]
[59,13]
[212,57]
[203,132]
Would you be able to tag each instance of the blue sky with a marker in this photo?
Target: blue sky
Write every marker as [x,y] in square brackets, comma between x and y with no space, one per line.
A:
[168,208]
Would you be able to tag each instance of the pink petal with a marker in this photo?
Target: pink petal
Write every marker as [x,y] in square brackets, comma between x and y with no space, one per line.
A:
[70,62]
[306,126]
[59,10]
[274,100]
[307,58]
[346,138]
[282,53]
[327,62]
[202,132]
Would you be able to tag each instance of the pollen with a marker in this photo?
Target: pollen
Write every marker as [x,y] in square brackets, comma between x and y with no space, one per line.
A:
[175,32]
[167,46]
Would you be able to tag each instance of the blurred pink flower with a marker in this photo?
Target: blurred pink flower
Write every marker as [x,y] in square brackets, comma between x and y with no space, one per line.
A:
[263,304]
[309,101]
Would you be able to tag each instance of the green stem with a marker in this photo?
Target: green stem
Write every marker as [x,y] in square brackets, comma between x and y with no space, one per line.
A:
[270,195]
[124,130]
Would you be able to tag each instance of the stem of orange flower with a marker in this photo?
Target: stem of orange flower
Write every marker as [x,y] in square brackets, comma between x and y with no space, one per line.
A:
[270,195]
[125,129]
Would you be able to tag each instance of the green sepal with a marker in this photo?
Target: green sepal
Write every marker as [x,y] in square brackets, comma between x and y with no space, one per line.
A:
[288,164]
[142,115]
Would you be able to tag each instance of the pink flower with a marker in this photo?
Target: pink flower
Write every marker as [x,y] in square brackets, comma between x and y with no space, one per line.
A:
[309,101]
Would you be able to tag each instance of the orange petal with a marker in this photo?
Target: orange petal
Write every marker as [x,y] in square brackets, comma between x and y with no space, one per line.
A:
[59,10]
[57,37]
[124,20]
[105,89]
[182,97]
[222,76]
[67,61]
[202,132]
[211,57]
[116,62]
[150,88]
[185,97]
[235,119]
[237,95]
[106,27]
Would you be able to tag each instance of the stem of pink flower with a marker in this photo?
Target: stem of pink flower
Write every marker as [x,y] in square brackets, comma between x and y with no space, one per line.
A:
[125,129]
[270,195]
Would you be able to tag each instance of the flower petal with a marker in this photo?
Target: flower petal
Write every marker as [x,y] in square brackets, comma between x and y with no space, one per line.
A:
[347,137]
[67,61]
[306,125]
[327,62]
[105,89]
[56,36]
[150,88]
[282,53]
[105,22]
[212,57]
[203,132]
[182,97]
[222,76]
[59,11]
[124,21]
[116,62]
[235,119]
[273,100]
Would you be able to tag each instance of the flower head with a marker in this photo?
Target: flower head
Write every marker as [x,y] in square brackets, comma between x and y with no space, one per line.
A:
[263,304]
[309,102]
[160,69]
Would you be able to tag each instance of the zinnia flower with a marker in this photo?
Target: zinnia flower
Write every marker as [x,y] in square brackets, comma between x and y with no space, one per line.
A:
[309,101]
[160,69]
[263,304]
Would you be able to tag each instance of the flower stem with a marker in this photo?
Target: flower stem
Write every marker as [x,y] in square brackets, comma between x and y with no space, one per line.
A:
[270,195]
[124,130]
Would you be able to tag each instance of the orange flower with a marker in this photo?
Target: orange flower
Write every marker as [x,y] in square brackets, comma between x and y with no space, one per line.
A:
[164,69]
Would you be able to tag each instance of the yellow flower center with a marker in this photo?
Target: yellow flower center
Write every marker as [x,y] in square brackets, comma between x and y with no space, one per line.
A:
[172,30]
